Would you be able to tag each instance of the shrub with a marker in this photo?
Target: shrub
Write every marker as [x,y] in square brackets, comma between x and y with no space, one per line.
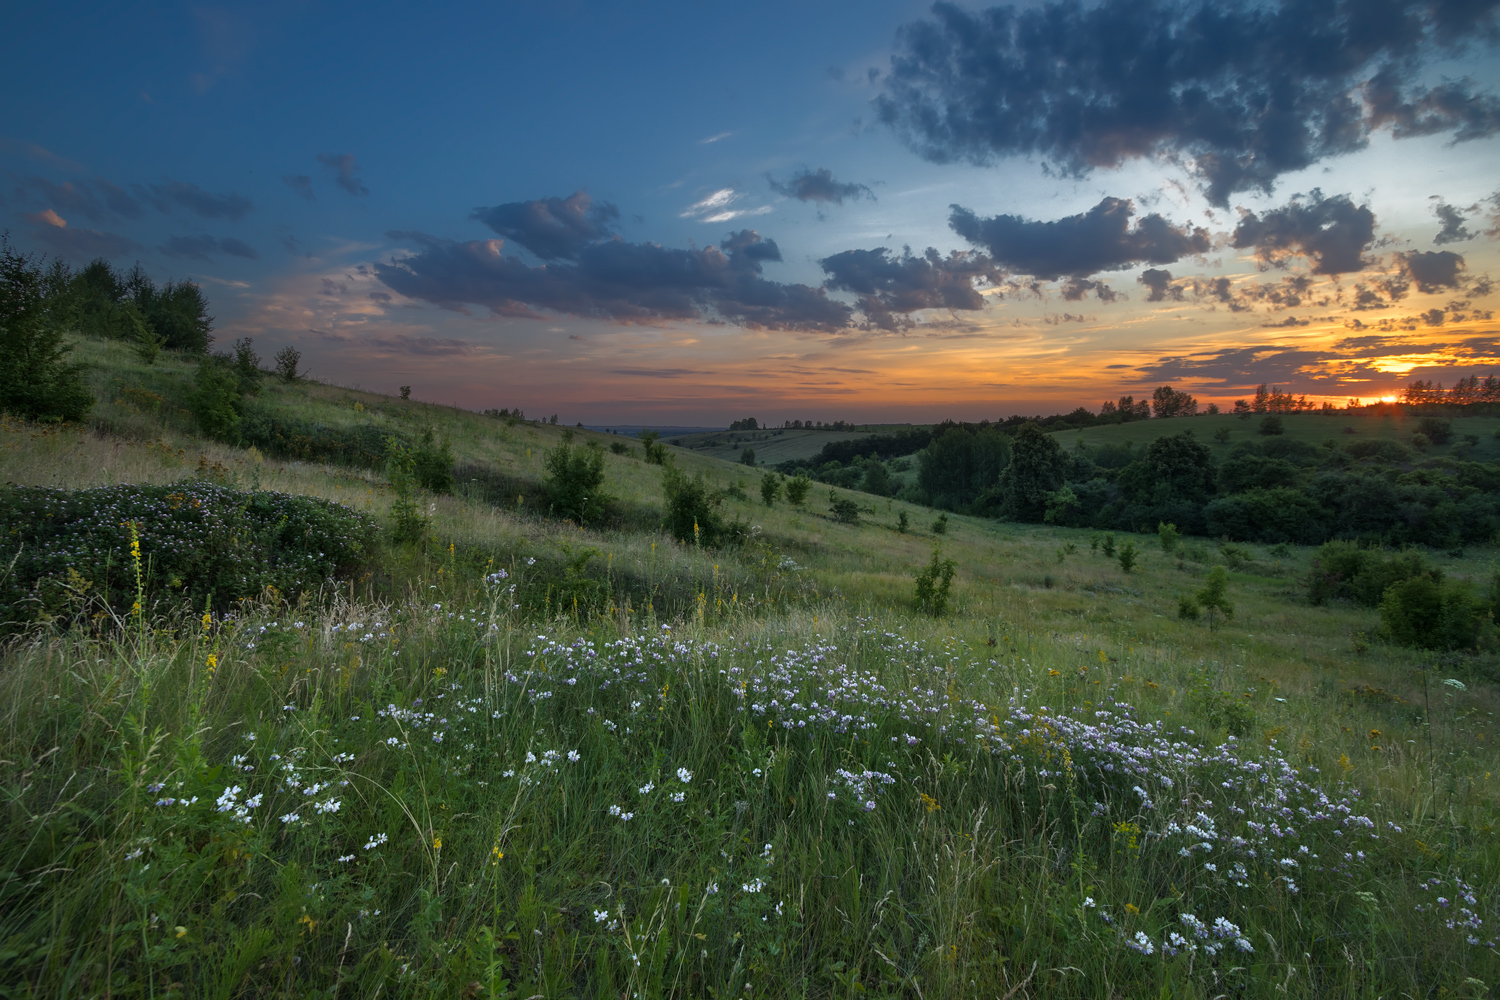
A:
[844,510]
[1188,609]
[287,360]
[940,525]
[796,490]
[576,481]
[692,509]
[1271,426]
[1168,534]
[198,542]
[1344,570]
[747,457]
[619,447]
[902,522]
[1428,613]
[770,488]
[36,379]
[214,400]
[361,445]
[408,521]
[1437,430]
[1214,595]
[432,464]
[246,366]
[655,451]
[933,583]
[1107,546]
[1127,556]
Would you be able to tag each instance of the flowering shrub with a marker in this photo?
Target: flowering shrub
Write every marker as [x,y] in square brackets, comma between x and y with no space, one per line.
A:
[197,541]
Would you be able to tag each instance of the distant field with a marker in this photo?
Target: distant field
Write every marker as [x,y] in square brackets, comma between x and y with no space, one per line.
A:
[774,445]
[1311,427]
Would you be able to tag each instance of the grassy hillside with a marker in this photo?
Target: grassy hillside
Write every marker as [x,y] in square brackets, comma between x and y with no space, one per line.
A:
[759,770]
[773,445]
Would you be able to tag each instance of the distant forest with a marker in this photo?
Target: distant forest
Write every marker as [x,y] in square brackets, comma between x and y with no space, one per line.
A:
[1424,490]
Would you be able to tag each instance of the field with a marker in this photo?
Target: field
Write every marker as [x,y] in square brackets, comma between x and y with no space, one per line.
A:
[759,770]
[774,445]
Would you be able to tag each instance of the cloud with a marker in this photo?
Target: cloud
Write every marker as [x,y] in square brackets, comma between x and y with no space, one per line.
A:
[228,205]
[819,185]
[890,287]
[345,172]
[1076,289]
[1100,239]
[200,247]
[1241,92]
[52,231]
[714,138]
[715,207]
[1333,232]
[1160,284]
[300,183]
[616,280]
[117,200]
[552,228]
[1432,270]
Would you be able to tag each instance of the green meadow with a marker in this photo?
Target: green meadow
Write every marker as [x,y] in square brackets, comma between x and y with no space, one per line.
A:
[518,757]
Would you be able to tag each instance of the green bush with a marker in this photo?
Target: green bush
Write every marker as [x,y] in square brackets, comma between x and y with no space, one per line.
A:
[770,488]
[654,450]
[1169,535]
[408,521]
[844,510]
[361,445]
[692,509]
[432,464]
[575,481]
[1127,556]
[796,490]
[214,400]
[36,379]
[68,549]
[1345,570]
[1429,613]
[933,583]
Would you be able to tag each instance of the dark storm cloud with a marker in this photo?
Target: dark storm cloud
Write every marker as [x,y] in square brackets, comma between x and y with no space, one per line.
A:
[300,183]
[345,172]
[1432,270]
[1100,239]
[1160,284]
[1241,91]
[227,205]
[819,185]
[1332,232]
[890,287]
[201,247]
[552,228]
[616,280]
[1453,219]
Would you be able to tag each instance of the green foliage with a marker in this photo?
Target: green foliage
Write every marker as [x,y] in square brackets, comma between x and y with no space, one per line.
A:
[1271,426]
[575,481]
[877,479]
[1429,613]
[246,366]
[1059,503]
[692,511]
[843,509]
[432,463]
[408,515]
[1107,546]
[362,445]
[1168,535]
[148,343]
[902,522]
[655,451]
[1213,596]
[1035,470]
[1222,435]
[405,391]
[1127,557]
[770,488]
[933,583]
[959,468]
[1188,609]
[796,490]
[940,525]
[287,361]
[36,379]
[1362,575]
[619,447]
[214,400]
[68,551]
[747,457]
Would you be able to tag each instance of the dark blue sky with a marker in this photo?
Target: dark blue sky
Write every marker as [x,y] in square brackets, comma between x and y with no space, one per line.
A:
[1108,191]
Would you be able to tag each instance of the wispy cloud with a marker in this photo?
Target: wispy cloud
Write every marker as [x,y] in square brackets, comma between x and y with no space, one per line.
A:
[714,138]
[718,207]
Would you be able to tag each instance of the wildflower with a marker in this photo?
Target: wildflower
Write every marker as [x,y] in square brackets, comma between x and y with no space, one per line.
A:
[376,841]
[345,857]
[1088,902]
[213,663]
[679,796]
[684,775]
[647,788]
[1141,943]
[574,756]
[600,916]
[290,818]
[754,886]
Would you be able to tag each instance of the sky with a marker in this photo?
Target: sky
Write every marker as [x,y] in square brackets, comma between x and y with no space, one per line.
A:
[687,213]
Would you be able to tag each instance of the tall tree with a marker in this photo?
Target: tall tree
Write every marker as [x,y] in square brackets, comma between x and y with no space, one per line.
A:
[1035,469]
[36,379]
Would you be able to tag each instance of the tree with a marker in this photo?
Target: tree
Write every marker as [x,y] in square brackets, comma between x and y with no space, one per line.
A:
[692,508]
[796,490]
[1168,535]
[287,360]
[940,525]
[1184,464]
[1214,596]
[178,311]
[844,510]
[933,583]
[770,488]
[877,479]
[214,399]
[36,379]
[1169,402]
[656,452]
[405,392]
[247,366]
[747,457]
[902,522]
[1035,470]
[575,481]
[959,466]
[1126,556]
[432,463]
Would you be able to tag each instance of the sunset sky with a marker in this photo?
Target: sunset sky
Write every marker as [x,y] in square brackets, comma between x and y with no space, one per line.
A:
[685,213]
